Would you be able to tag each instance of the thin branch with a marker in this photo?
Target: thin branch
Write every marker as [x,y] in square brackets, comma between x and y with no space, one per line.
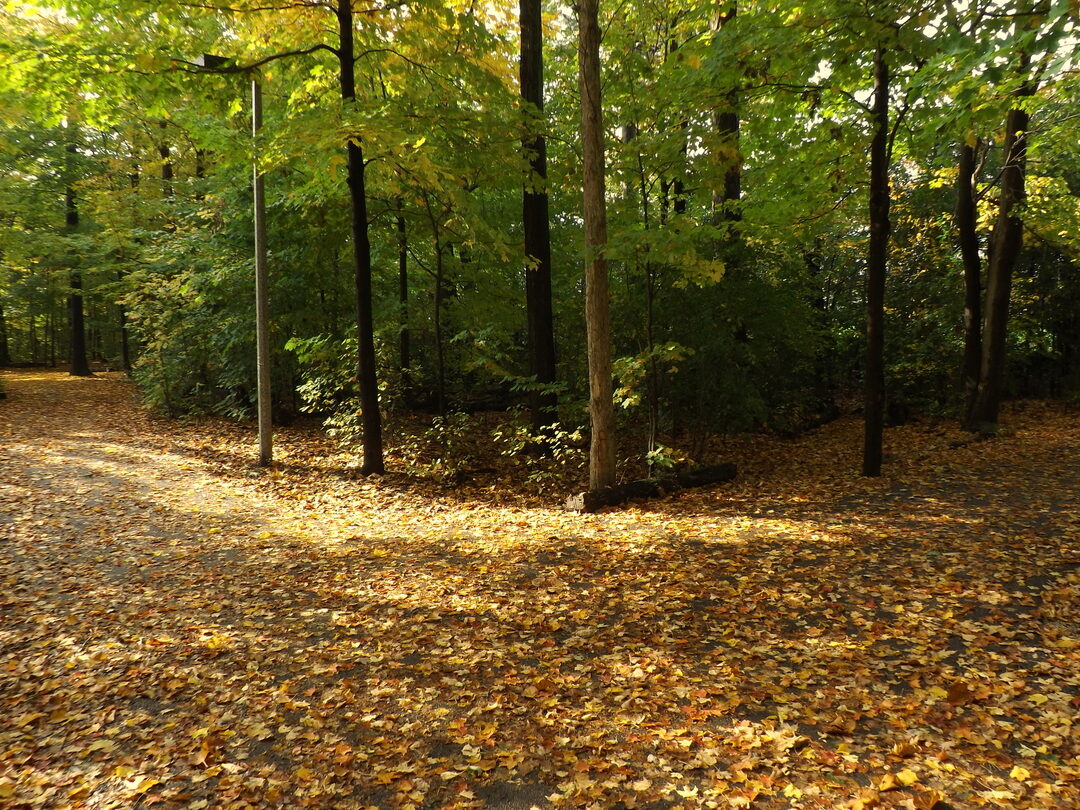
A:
[191,67]
[256,9]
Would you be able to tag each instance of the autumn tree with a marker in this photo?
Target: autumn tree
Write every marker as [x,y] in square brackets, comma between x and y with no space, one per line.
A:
[597,317]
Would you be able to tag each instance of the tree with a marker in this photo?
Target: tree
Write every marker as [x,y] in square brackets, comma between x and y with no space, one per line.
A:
[967,214]
[1006,242]
[365,320]
[876,269]
[534,219]
[1032,32]
[597,314]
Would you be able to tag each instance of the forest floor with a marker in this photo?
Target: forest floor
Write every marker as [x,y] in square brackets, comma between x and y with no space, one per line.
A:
[178,629]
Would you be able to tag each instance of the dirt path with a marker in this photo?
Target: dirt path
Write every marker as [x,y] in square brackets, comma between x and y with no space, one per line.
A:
[183,633]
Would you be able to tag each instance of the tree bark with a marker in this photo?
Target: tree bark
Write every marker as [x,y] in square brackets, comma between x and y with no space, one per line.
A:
[726,122]
[262,290]
[365,322]
[404,347]
[166,163]
[966,219]
[597,314]
[5,351]
[440,344]
[596,499]
[80,366]
[1006,242]
[652,374]
[535,222]
[876,265]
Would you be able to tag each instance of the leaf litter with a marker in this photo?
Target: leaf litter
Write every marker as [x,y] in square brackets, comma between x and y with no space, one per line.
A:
[179,630]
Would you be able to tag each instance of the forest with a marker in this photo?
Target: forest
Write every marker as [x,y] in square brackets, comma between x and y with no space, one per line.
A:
[778,212]
[659,405]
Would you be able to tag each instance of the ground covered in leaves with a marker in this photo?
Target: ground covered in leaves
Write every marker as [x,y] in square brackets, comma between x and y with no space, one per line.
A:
[179,630]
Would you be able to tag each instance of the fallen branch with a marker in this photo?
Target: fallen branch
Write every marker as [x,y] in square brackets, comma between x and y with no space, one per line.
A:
[596,499]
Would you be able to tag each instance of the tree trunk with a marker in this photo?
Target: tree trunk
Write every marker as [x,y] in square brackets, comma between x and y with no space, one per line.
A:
[440,348]
[535,222]
[652,375]
[5,351]
[876,264]
[365,322]
[80,366]
[1006,242]
[263,383]
[726,122]
[966,219]
[166,163]
[404,347]
[597,315]
[31,335]
[125,344]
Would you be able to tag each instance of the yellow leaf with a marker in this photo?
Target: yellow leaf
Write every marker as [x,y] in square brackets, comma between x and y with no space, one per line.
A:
[1020,774]
[124,771]
[305,774]
[792,792]
[1038,700]
[907,777]
[145,784]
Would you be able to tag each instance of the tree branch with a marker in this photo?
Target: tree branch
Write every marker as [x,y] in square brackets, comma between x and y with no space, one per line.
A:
[191,67]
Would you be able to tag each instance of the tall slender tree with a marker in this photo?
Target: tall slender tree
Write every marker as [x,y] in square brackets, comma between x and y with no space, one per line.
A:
[876,266]
[365,319]
[597,305]
[966,226]
[535,220]
[80,366]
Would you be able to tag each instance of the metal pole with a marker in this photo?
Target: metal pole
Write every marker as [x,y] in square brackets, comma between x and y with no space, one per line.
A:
[262,309]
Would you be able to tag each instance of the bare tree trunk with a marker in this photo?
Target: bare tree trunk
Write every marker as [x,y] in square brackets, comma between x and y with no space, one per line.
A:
[5,351]
[80,366]
[966,218]
[535,222]
[726,122]
[404,347]
[125,343]
[32,340]
[440,343]
[652,375]
[876,265]
[597,314]
[365,321]
[166,163]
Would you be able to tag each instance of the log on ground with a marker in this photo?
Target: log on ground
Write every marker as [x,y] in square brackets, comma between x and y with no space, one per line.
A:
[597,499]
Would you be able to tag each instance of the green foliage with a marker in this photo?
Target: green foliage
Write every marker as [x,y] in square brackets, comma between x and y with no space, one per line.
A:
[328,387]
[752,307]
[444,450]
[551,458]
